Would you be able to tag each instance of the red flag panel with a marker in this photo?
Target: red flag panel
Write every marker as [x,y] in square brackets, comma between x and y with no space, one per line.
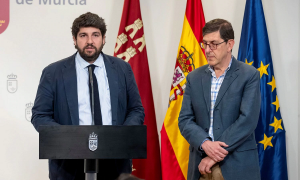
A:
[131,47]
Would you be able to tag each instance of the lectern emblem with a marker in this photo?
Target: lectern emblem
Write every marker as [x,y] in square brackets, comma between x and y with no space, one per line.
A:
[93,141]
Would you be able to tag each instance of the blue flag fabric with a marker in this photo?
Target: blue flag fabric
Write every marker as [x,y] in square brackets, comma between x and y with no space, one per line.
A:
[255,50]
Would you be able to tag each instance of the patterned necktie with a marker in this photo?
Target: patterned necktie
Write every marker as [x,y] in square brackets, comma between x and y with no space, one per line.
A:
[95,102]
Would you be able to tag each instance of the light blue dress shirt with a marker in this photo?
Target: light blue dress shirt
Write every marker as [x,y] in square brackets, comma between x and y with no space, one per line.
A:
[84,107]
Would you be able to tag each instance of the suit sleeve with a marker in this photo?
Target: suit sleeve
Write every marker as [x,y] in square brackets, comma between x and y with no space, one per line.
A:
[42,111]
[135,111]
[192,132]
[244,126]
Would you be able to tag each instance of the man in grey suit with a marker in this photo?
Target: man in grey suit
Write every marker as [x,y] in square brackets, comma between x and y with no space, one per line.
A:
[220,110]
[63,96]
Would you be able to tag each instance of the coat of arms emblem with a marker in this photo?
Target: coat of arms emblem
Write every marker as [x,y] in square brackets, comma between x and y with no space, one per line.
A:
[184,65]
[93,141]
[12,83]
[28,112]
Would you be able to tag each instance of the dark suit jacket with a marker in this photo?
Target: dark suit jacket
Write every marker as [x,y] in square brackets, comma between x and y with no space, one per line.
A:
[236,114]
[56,103]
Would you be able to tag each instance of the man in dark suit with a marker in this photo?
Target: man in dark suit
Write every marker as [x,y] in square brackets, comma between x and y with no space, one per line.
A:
[220,111]
[63,96]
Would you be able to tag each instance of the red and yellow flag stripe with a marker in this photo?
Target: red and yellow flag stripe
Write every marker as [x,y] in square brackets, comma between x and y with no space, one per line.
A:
[174,148]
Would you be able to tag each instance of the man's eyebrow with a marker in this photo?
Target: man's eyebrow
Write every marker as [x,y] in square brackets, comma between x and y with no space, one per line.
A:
[214,41]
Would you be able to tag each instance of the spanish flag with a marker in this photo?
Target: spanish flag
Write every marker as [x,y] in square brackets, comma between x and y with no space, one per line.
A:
[174,148]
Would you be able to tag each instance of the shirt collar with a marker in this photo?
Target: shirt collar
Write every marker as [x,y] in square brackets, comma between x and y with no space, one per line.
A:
[227,69]
[83,64]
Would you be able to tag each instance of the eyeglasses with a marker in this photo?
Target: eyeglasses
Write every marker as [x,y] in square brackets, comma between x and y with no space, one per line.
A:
[212,46]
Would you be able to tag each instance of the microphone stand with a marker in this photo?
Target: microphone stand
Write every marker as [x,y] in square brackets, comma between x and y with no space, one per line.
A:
[91,166]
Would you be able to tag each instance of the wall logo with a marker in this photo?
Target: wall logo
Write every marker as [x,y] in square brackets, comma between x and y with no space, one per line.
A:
[28,112]
[93,142]
[4,15]
[12,83]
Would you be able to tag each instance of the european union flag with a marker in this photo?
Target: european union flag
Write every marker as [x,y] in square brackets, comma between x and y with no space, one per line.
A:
[270,134]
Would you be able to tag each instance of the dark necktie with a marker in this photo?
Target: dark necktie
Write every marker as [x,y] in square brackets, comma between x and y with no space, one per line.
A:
[95,102]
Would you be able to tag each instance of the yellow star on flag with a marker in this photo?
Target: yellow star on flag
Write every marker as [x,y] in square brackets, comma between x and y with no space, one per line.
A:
[276,124]
[272,83]
[263,69]
[267,141]
[249,63]
[276,103]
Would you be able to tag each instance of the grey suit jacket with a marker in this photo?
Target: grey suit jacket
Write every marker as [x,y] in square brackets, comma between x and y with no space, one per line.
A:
[56,103]
[236,114]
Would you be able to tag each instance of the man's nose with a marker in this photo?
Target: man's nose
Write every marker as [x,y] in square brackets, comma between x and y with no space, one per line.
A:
[90,40]
[207,48]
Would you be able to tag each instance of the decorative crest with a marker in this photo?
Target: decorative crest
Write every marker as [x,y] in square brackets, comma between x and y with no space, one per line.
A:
[93,141]
[28,112]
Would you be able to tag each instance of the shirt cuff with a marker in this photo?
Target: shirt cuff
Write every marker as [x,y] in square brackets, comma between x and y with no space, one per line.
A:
[207,139]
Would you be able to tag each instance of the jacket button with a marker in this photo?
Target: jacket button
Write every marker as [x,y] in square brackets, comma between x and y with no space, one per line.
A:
[206,129]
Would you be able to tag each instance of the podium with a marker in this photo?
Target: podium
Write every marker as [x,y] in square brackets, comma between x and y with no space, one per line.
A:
[92,143]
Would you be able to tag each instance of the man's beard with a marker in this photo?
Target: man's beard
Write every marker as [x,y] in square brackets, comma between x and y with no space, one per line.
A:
[87,57]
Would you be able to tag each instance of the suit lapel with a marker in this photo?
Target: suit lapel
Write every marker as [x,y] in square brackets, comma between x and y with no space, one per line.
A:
[112,76]
[230,76]
[70,83]
[206,85]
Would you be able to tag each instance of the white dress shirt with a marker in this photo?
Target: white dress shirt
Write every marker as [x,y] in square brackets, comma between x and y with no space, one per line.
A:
[84,107]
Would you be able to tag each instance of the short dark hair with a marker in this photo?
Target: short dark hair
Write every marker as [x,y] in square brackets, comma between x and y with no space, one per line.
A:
[221,25]
[88,20]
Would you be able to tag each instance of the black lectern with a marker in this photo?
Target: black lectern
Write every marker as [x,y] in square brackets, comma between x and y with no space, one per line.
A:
[92,142]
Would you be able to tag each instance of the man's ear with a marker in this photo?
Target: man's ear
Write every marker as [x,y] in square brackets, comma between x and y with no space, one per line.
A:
[230,43]
[74,40]
[104,39]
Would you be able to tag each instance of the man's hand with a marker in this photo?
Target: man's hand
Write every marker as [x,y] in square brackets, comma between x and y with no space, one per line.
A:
[205,165]
[215,150]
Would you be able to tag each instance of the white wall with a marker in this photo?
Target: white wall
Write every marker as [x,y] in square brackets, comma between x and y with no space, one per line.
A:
[298,87]
[38,35]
